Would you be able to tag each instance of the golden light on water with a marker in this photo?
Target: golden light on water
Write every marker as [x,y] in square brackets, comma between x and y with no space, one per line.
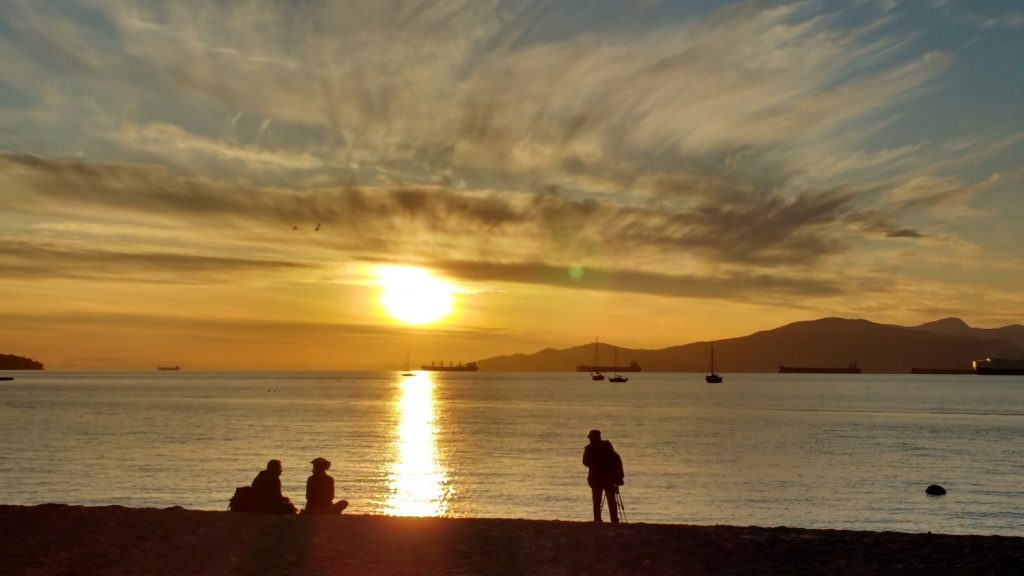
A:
[418,481]
[413,295]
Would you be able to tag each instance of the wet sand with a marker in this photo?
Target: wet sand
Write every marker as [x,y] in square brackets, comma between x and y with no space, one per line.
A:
[59,539]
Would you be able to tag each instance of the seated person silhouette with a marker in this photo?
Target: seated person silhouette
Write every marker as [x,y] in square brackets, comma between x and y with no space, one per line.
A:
[320,490]
[266,492]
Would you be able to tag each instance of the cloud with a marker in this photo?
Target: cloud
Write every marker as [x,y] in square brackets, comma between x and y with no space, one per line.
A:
[1010,21]
[686,156]
[722,225]
[748,286]
[25,260]
[169,140]
[475,90]
[904,233]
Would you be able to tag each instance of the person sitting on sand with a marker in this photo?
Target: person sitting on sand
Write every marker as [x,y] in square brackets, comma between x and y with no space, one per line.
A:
[605,474]
[266,491]
[320,490]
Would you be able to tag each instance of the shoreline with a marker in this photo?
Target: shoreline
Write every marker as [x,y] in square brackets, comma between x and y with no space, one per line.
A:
[63,539]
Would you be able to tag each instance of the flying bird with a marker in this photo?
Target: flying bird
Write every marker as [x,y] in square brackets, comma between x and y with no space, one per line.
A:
[317,229]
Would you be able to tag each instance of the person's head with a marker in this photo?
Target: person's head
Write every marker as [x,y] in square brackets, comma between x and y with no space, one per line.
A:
[595,436]
[320,464]
[274,466]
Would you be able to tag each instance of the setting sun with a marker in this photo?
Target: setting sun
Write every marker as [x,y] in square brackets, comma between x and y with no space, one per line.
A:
[414,295]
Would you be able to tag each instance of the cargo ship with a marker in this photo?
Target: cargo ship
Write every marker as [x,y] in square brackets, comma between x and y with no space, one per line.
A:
[918,370]
[451,367]
[852,368]
[999,366]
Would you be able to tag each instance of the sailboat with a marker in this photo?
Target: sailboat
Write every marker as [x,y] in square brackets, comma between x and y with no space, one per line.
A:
[615,366]
[406,371]
[712,377]
[597,367]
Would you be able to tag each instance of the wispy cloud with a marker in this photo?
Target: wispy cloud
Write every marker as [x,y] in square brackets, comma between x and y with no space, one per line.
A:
[1009,21]
[725,155]
[24,260]
[734,229]
[751,287]
[173,143]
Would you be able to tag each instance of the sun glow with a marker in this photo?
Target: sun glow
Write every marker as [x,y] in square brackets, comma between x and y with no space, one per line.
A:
[414,295]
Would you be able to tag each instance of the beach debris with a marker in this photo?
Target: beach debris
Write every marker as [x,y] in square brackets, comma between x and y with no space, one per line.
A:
[935,490]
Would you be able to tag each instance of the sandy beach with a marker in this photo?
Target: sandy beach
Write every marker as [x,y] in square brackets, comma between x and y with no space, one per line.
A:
[60,539]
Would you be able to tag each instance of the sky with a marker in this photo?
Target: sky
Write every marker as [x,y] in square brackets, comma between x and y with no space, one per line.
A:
[225,185]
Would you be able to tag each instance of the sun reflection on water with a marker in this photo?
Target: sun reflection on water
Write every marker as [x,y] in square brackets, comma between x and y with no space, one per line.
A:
[417,479]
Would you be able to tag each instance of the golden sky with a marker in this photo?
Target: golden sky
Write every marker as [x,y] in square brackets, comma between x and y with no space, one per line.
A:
[225,185]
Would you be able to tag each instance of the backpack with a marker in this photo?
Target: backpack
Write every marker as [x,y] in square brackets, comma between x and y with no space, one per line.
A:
[241,501]
[615,464]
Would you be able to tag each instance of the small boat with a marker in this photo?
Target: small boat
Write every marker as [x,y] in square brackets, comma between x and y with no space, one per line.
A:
[168,368]
[6,378]
[712,377]
[406,371]
[615,364]
[597,366]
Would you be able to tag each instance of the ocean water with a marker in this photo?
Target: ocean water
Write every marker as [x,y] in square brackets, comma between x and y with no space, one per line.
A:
[804,450]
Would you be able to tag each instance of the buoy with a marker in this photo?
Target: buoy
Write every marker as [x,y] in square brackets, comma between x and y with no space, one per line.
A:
[935,490]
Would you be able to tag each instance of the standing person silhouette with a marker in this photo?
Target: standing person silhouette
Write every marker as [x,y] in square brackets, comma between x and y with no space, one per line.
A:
[605,474]
[320,490]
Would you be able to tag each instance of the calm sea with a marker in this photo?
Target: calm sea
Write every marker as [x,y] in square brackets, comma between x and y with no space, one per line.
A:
[807,450]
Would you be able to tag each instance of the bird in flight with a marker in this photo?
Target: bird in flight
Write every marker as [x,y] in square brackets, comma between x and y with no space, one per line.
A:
[317,229]
[295,227]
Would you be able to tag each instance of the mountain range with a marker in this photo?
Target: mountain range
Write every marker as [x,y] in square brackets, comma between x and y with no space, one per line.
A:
[948,344]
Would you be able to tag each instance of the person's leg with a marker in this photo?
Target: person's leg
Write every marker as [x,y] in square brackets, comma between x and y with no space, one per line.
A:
[613,505]
[339,506]
[595,493]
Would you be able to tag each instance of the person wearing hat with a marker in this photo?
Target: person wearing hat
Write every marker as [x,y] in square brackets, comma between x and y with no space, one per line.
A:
[320,490]
[604,474]
[266,491]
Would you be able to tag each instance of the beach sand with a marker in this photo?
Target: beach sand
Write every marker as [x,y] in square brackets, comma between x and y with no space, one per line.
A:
[60,539]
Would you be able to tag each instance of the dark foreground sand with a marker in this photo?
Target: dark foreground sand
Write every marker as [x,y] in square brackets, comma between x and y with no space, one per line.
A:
[58,539]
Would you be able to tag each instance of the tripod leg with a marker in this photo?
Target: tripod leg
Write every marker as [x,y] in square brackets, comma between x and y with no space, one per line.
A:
[621,504]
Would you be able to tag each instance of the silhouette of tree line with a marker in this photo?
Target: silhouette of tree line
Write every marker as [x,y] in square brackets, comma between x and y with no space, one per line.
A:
[12,362]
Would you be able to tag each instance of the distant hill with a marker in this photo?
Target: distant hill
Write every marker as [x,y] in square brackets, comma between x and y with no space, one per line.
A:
[1014,333]
[880,348]
[12,362]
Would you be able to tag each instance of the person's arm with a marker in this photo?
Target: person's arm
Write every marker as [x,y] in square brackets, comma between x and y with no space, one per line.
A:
[586,456]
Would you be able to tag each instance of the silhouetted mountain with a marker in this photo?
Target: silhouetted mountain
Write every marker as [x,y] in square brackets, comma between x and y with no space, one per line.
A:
[12,362]
[1014,333]
[826,342]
